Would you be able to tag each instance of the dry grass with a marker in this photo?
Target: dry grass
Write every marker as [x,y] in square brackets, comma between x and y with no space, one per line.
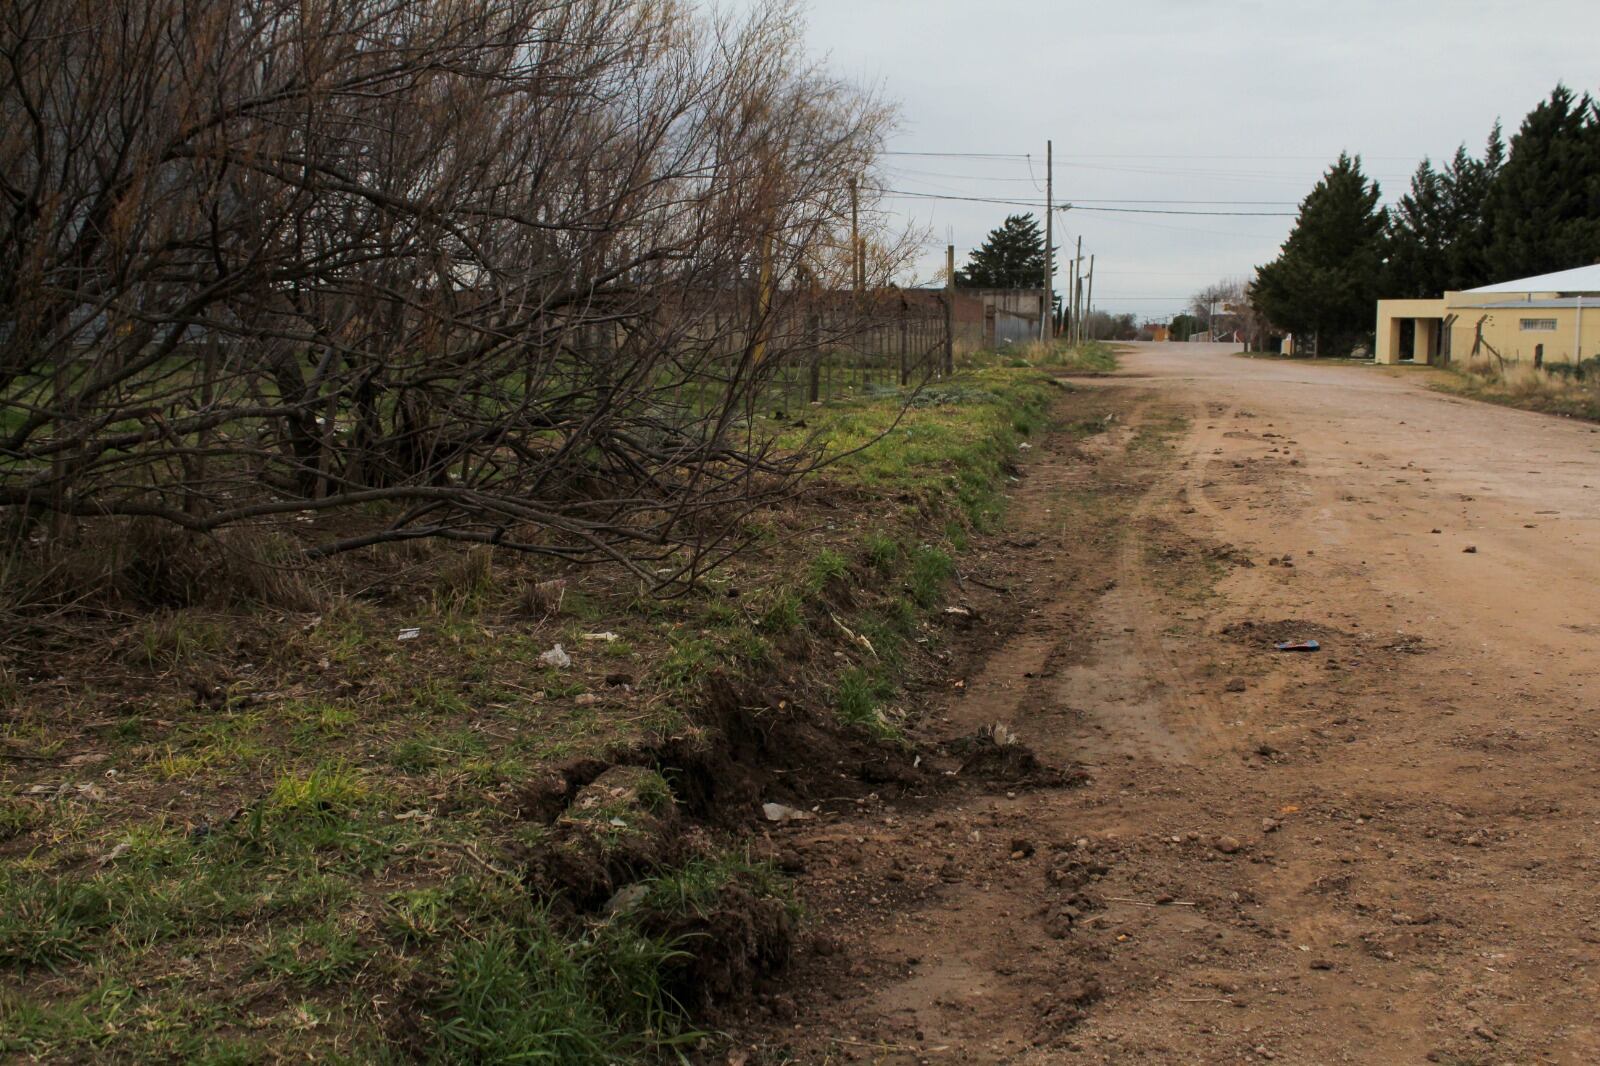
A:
[1089,358]
[1558,389]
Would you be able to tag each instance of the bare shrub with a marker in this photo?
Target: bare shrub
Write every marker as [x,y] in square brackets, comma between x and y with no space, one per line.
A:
[502,272]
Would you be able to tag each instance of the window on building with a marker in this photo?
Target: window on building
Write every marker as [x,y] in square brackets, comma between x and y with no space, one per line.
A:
[1543,325]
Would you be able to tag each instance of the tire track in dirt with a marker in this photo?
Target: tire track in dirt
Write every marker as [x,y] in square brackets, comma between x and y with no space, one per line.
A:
[979,962]
[1381,853]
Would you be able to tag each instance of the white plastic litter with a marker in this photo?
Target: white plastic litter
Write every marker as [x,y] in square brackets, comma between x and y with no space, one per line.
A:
[557,657]
[777,812]
[409,634]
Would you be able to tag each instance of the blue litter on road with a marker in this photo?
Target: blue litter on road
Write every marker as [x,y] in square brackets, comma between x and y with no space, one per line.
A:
[1301,645]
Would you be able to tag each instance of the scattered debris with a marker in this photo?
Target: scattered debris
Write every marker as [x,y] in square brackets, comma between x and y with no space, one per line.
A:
[778,812]
[1300,645]
[556,657]
[1470,549]
[607,636]
[83,789]
[409,634]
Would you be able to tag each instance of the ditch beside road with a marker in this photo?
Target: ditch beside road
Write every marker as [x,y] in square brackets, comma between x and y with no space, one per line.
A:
[1382,851]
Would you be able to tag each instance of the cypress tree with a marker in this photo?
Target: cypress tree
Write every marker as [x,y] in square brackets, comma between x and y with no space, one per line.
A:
[1437,232]
[1325,280]
[1543,209]
[1420,226]
[1467,184]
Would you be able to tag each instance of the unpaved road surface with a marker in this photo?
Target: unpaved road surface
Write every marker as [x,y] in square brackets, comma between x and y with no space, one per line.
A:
[1384,851]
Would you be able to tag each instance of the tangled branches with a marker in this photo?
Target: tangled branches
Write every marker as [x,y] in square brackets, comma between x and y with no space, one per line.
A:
[498,271]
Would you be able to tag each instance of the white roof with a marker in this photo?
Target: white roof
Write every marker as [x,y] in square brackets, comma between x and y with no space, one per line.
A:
[1583,279]
[1556,303]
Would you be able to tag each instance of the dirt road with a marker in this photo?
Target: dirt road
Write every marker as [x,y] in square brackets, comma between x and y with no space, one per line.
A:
[1384,851]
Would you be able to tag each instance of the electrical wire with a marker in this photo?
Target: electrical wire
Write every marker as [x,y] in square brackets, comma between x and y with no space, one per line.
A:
[962,155]
[909,194]
[1155,211]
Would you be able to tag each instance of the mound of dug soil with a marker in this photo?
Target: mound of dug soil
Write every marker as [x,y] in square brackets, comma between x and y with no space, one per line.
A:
[743,934]
[1267,634]
[995,755]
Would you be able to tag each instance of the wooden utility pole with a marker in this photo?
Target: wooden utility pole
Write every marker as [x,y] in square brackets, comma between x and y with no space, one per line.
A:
[1071,310]
[1047,306]
[949,310]
[1077,298]
[1088,304]
[1077,294]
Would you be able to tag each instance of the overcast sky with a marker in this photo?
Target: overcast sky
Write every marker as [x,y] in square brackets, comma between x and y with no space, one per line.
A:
[1232,100]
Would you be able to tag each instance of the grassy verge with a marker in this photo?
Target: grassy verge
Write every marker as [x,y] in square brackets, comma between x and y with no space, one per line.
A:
[1564,391]
[232,835]
[1090,358]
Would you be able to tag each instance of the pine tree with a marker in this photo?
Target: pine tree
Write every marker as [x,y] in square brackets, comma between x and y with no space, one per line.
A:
[1543,209]
[1420,227]
[1467,184]
[1437,235]
[1012,257]
[1325,280]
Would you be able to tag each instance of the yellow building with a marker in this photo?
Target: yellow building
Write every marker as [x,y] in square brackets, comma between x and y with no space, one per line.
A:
[1550,318]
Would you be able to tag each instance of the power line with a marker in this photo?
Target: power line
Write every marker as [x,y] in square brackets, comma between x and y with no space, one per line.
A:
[1189,155]
[970,199]
[905,193]
[917,175]
[962,155]
[1156,211]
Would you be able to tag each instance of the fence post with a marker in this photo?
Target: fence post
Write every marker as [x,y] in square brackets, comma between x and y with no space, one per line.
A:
[949,309]
[905,370]
[812,336]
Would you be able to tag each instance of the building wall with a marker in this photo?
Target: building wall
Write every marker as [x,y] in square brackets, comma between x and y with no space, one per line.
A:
[1395,316]
[1012,328]
[1459,313]
[969,322]
[1010,315]
[1502,331]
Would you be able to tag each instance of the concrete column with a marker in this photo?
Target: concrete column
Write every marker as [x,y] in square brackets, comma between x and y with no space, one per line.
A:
[1388,337]
[1424,331]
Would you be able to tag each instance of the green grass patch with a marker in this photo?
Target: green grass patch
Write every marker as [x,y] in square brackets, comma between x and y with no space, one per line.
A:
[313,840]
[859,700]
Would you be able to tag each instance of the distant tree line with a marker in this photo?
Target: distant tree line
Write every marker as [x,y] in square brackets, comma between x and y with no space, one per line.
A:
[1528,208]
[1105,326]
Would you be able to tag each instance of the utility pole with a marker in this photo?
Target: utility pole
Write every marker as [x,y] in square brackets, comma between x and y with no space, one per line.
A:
[1077,294]
[1089,302]
[949,310]
[1047,306]
[1071,311]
